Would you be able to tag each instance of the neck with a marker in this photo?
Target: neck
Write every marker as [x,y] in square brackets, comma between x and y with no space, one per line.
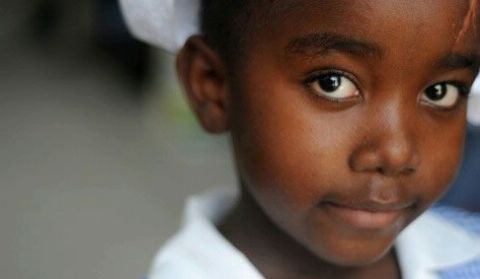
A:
[277,255]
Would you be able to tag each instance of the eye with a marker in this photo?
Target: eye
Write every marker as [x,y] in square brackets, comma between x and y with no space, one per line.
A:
[333,86]
[442,95]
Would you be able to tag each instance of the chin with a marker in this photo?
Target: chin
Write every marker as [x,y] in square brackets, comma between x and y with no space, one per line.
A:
[355,253]
[362,258]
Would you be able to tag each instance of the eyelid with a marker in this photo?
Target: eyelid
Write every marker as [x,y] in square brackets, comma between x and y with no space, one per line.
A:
[318,73]
[314,77]
[462,88]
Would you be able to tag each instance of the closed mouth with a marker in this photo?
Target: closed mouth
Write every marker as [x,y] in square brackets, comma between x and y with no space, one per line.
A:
[368,216]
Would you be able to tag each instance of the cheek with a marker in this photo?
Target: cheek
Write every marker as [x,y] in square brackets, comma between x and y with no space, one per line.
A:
[442,155]
[288,154]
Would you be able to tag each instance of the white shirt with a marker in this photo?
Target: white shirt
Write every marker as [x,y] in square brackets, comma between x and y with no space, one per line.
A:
[429,245]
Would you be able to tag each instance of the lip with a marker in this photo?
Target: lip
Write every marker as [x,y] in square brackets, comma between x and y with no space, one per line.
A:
[370,216]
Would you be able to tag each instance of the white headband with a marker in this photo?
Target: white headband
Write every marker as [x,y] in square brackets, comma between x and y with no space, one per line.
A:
[163,23]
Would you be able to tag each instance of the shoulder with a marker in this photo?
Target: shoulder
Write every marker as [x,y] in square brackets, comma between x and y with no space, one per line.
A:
[177,259]
[201,253]
[442,243]
[470,223]
[466,220]
[199,250]
[174,267]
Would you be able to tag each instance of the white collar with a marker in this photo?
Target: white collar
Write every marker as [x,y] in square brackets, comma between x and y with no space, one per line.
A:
[425,248]
[199,250]
[432,244]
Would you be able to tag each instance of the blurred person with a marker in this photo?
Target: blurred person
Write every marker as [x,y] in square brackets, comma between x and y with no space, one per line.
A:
[112,35]
[465,192]
[347,121]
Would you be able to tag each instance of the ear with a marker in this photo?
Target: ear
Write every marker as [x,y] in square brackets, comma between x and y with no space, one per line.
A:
[203,75]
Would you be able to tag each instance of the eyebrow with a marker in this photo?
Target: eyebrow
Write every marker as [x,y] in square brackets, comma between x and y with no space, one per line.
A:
[453,61]
[322,43]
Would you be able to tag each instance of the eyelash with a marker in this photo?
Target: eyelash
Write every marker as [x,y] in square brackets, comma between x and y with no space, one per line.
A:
[316,75]
[463,88]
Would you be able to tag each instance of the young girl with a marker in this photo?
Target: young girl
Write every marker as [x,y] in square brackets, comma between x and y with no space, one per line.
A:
[347,121]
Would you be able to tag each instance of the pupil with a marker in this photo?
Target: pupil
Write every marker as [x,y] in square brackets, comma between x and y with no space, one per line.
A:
[436,92]
[330,83]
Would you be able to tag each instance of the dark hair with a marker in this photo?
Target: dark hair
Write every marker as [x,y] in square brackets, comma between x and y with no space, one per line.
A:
[224,23]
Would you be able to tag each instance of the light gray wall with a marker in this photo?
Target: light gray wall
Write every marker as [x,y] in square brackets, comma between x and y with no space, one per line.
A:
[92,183]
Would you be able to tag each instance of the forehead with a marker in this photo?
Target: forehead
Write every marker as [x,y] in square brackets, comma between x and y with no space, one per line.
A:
[422,10]
[395,21]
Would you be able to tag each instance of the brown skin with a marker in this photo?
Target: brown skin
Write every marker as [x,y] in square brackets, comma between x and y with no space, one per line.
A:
[304,160]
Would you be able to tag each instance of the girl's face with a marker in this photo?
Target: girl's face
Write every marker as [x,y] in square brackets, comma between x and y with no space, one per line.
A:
[348,117]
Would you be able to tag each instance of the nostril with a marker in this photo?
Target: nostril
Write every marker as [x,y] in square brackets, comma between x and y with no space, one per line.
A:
[410,170]
[394,171]
[386,160]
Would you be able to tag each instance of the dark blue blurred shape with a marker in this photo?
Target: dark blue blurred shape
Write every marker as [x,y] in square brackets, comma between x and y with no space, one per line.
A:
[465,193]
[112,34]
[108,33]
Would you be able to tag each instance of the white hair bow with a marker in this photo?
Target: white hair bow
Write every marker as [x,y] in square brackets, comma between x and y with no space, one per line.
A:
[163,23]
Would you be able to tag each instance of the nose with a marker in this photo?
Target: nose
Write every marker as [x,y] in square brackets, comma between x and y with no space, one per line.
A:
[387,144]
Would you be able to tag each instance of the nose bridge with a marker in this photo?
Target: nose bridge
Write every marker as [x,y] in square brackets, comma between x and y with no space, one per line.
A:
[390,145]
[395,139]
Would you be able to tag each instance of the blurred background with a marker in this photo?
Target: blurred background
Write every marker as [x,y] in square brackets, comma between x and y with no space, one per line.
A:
[98,149]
